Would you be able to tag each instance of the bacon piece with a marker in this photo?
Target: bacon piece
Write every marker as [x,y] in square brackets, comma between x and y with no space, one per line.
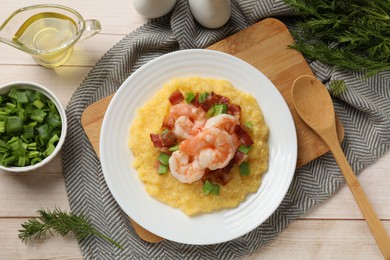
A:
[156,140]
[169,122]
[234,110]
[221,176]
[176,97]
[239,157]
[213,99]
[163,140]
[243,136]
[196,102]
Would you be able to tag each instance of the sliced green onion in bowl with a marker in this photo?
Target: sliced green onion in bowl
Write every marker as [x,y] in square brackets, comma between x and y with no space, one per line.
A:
[32,126]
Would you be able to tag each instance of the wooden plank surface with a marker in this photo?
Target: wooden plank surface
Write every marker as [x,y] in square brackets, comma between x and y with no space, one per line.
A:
[333,230]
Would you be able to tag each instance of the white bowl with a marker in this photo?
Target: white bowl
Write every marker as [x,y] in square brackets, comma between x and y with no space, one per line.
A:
[37,87]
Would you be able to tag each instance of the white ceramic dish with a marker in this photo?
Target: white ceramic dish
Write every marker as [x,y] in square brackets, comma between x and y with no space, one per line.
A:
[37,87]
[161,219]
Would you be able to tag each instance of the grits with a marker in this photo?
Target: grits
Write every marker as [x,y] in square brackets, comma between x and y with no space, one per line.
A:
[189,197]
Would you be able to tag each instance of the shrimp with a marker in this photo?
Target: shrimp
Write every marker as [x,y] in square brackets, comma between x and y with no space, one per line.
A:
[189,120]
[227,123]
[223,121]
[213,147]
[184,168]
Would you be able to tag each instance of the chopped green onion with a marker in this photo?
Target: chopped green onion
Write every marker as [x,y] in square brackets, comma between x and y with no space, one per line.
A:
[244,149]
[28,131]
[14,124]
[10,106]
[30,126]
[174,148]
[22,114]
[30,95]
[166,131]
[163,158]
[50,148]
[216,110]
[244,169]
[4,147]
[2,126]
[249,125]
[53,121]
[210,188]
[14,143]
[39,140]
[189,97]
[162,169]
[54,139]
[210,112]
[32,146]
[33,154]
[202,97]
[35,160]
[39,95]
[12,93]
[44,132]
[38,115]
[220,109]
[22,161]
[21,97]
[8,160]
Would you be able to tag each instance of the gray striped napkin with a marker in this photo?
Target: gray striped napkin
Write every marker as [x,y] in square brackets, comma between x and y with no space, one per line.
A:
[364,111]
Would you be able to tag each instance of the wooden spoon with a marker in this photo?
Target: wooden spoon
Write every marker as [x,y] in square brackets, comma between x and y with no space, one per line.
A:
[314,105]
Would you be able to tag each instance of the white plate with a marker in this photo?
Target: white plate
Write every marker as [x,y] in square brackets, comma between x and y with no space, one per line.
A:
[161,219]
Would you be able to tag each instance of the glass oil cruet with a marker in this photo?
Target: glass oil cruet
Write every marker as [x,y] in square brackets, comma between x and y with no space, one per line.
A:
[47,32]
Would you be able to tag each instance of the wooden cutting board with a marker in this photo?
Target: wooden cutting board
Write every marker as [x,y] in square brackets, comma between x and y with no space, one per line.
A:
[265,46]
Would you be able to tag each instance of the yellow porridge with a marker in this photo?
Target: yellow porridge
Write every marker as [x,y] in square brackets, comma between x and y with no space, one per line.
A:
[194,160]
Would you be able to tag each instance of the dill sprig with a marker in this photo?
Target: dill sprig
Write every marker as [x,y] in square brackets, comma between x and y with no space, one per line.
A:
[349,34]
[62,222]
[337,87]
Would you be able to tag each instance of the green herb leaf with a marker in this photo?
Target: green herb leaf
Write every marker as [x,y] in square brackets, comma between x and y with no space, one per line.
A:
[337,87]
[352,34]
[61,222]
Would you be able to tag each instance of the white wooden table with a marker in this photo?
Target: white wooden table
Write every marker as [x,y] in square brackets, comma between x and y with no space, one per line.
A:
[334,230]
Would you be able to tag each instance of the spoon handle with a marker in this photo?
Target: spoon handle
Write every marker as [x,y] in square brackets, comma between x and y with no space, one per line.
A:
[374,223]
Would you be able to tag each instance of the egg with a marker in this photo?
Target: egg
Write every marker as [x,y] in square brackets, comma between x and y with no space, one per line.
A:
[210,13]
[153,8]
